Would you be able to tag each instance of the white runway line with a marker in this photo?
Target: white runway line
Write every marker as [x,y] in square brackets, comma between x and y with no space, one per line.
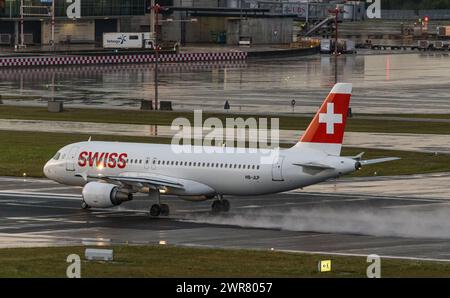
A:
[364,255]
[40,195]
[325,253]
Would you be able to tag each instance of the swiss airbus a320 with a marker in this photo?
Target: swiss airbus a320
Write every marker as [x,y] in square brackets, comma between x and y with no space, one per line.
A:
[112,172]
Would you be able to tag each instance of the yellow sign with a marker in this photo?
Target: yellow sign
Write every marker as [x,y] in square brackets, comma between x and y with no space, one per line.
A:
[325,266]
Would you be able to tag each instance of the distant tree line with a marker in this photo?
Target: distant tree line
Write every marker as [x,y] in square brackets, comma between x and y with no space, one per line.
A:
[415,4]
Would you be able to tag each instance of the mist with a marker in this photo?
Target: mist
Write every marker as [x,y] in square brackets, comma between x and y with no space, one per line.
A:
[375,222]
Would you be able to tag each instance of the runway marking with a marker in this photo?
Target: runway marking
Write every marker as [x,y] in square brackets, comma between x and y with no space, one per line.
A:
[416,205]
[250,207]
[34,190]
[28,219]
[40,195]
[365,196]
[364,255]
[324,253]
[40,206]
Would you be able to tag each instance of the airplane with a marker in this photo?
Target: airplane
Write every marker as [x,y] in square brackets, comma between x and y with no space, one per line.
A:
[112,172]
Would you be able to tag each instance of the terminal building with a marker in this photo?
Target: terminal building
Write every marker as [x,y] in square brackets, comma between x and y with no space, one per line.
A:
[185,21]
[97,17]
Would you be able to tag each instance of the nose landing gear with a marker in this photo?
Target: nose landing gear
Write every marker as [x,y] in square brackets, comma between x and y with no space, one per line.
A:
[84,205]
[220,205]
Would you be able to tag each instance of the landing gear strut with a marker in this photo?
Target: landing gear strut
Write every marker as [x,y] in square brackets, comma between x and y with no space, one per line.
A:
[220,205]
[84,205]
[158,209]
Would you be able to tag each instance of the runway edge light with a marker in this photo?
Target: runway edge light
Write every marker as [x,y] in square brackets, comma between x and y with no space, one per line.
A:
[324,266]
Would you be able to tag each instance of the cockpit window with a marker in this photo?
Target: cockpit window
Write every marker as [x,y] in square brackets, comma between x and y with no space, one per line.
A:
[56,157]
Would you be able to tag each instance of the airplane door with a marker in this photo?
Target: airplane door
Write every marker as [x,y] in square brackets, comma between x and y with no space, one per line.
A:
[277,169]
[154,163]
[147,163]
[71,159]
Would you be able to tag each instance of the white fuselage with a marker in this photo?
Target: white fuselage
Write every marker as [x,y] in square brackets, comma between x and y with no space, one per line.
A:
[205,173]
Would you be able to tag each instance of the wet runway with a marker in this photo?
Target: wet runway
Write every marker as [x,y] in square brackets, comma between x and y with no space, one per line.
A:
[36,212]
[410,83]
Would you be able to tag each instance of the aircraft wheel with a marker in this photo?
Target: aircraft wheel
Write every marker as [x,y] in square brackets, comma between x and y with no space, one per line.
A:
[216,207]
[165,211]
[225,205]
[84,205]
[155,210]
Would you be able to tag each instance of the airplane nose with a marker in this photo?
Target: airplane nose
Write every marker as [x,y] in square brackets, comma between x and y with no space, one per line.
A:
[47,170]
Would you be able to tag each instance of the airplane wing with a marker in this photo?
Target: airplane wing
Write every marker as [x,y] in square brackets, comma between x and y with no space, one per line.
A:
[138,180]
[378,160]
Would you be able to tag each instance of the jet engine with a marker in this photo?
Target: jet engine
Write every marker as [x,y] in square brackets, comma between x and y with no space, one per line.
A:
[103,195]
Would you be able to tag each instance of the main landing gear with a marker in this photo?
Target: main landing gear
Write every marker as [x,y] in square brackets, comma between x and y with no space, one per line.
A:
[158,209]
[220,205]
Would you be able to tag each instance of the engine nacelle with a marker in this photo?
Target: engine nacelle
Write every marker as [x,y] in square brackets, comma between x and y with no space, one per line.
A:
[103,195]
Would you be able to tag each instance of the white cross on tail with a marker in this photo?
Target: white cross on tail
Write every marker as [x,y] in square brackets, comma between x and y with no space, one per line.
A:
[330,118]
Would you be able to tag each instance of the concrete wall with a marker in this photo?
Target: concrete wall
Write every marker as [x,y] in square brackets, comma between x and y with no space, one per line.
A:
[204,30]
[78,30]
[135,24]
[261,30]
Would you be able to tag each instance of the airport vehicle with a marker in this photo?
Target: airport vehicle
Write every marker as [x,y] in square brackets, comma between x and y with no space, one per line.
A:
[443,31]
[128,41]
[112,172]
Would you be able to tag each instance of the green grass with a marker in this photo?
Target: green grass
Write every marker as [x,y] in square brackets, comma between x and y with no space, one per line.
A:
[165,118]
[168,261]
[420,116]
[27,152]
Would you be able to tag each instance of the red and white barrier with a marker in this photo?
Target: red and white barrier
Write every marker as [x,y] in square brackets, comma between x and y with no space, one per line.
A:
[117,59]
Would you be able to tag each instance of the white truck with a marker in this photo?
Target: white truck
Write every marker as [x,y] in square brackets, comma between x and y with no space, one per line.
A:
[123,40]
[325,46]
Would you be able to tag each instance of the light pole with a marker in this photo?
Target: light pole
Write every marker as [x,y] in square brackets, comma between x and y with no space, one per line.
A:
[22,35]
[52,42]
[336,12]
[156,10]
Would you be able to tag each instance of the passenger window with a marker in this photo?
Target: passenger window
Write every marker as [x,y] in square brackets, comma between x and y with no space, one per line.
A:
[159,162]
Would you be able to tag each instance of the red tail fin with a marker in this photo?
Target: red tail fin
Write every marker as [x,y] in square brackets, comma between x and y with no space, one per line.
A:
[328,125]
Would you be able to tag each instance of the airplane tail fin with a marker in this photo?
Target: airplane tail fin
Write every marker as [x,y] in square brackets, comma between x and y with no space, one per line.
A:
[326,130]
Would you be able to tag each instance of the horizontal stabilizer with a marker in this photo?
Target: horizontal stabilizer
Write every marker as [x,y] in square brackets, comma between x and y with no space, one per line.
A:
[379,160]
[314,165]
